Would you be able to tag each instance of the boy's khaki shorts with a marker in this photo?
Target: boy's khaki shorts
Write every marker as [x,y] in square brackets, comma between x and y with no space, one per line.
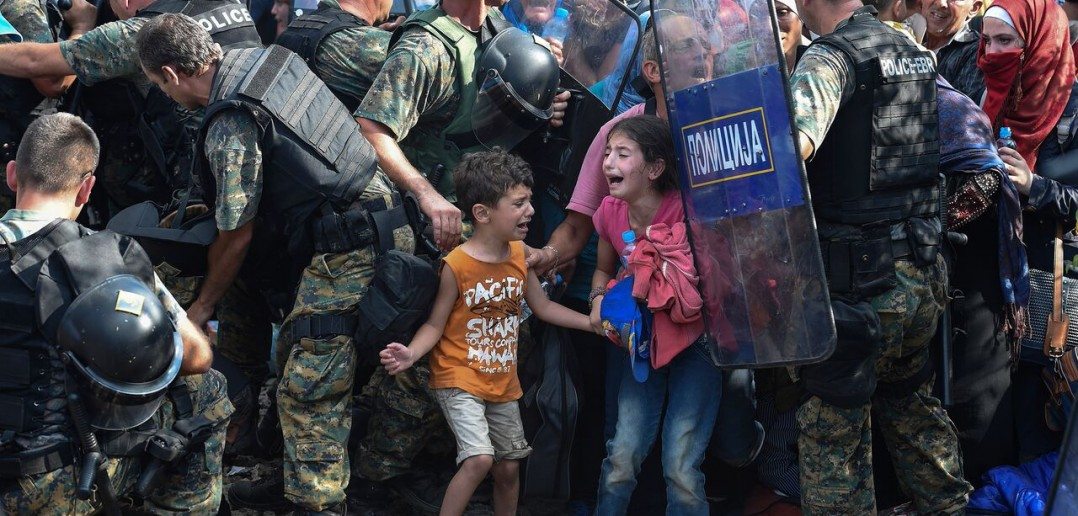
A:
[483,427]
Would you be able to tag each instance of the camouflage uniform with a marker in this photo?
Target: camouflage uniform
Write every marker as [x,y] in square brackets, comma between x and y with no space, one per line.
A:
[835,443]
[415,94]
[315,390]
[348,60]
[31,19]
[193,484]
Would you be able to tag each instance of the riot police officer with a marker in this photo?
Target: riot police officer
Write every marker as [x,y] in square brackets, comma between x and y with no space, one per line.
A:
[865,105]
[330,203]
[96,353]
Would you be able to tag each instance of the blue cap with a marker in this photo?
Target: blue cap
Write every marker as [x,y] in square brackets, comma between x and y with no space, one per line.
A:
[7,30]
[628,236]
[561,13]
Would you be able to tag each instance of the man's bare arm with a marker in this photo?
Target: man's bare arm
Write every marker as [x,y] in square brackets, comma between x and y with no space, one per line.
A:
[33,60]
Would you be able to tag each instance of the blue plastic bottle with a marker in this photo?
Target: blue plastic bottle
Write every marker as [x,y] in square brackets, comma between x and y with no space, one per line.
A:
[629,237]
[1005,139]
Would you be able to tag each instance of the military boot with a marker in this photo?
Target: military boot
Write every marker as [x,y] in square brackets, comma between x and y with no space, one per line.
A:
[266,494]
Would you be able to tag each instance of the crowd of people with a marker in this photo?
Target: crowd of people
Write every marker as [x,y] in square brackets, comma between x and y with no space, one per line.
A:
[353,214]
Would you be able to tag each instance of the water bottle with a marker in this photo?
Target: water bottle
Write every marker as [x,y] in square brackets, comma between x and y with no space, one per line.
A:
[1005,139]
[558,27]
[548,287]
[629,237]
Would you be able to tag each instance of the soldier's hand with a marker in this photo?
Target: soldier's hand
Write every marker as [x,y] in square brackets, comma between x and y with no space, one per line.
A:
[561,103]
[393,24]
[81,16]
[396,357]
[444,217]
[1017,169]
[556,49]
[199,315]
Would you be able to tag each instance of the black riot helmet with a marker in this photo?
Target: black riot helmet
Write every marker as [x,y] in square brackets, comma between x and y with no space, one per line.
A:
[125,348]
[95,303]
[517,78]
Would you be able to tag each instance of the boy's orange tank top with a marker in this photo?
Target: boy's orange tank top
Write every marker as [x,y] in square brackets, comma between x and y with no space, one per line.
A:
[478,349]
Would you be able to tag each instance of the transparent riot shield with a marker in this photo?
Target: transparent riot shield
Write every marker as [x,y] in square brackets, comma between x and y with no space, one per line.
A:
[598,40]
[743,183]
[598,48]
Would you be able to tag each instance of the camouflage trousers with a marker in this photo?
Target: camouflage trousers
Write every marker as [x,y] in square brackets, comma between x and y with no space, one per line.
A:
[404,417]
[246,327]
[314,396]
[835,444]
[190,485]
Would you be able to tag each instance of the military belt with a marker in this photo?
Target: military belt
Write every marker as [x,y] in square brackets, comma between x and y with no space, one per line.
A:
[370,223]
[842,258]
[38,461]
[322,325]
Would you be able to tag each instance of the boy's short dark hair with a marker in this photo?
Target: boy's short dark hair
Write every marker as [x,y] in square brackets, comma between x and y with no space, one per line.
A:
[484,177]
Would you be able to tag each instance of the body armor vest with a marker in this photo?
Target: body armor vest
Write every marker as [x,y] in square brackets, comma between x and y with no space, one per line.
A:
[879,162]
[305,35]
[166,131]
[428,147]
[321,163]
[32,378]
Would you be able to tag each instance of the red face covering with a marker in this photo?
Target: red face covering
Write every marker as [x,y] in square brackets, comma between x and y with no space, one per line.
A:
[1000,71]
[1028,89]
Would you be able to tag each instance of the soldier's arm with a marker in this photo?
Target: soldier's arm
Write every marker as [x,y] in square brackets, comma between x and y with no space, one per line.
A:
[236,162]
[416,79]
[31,60]
[197,355]
[444,216]
[819,85]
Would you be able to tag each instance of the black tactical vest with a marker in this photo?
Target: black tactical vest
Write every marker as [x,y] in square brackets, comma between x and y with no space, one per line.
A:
[317,161]
[32,387]
[306,33]
[879,162]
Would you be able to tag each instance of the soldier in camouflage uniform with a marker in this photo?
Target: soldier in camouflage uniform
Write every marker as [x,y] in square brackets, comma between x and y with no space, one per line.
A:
[876,199]
[315,347]
[193,482]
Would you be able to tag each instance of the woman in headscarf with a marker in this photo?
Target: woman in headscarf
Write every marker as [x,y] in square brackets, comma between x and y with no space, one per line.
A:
[1029,71]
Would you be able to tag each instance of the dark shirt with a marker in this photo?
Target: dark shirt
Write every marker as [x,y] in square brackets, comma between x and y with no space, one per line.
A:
[958,61]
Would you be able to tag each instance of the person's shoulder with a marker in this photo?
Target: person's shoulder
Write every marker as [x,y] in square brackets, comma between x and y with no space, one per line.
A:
[609,205]
[362,38]
[228,125]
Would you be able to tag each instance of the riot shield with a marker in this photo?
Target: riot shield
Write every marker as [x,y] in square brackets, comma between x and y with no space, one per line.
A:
[600,53]
[743,183]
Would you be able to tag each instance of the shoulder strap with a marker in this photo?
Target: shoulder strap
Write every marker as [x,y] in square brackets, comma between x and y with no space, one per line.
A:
[1055,332]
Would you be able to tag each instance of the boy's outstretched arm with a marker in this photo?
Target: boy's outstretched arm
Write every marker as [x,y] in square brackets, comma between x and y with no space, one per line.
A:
[550,311]
[396,357]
